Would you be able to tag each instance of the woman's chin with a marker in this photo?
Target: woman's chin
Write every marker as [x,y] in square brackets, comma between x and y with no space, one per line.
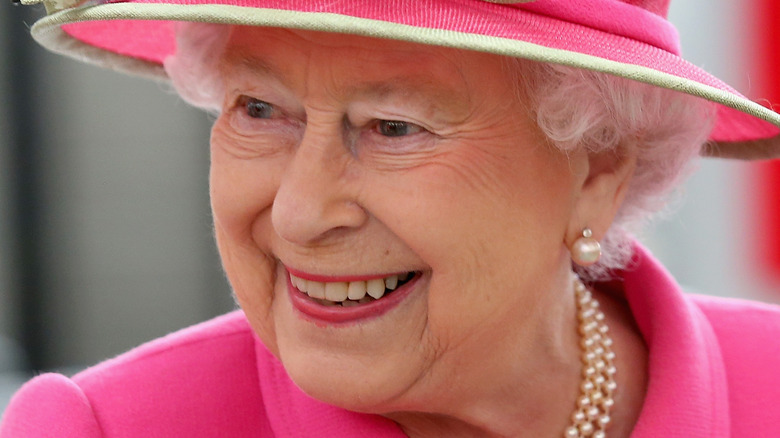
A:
[346,383]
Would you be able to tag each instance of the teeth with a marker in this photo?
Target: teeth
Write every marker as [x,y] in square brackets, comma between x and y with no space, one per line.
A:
[336,291]
[356,290]
[375,288]
[300,283]
[316,289]
[348,293]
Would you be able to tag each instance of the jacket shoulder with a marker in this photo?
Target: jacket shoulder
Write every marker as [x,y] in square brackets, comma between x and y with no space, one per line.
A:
[50,406]
[749,337]
[747,327]
[201,381]
[227,334]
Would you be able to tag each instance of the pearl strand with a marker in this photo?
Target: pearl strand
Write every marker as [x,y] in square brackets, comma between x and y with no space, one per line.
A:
[591,417]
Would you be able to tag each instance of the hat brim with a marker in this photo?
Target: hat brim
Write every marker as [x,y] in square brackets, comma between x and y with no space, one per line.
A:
[136,38]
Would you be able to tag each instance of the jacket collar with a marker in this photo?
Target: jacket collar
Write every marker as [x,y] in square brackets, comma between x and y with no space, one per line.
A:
[687,392]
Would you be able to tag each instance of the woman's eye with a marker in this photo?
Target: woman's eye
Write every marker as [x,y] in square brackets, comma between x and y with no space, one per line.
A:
[396,128]
[258,109]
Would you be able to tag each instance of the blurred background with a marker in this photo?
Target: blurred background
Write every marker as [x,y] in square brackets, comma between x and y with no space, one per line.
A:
[105,233]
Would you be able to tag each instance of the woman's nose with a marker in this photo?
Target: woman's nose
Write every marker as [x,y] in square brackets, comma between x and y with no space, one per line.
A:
[316,199]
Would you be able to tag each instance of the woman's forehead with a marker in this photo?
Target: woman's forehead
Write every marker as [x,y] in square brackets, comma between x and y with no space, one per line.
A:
[283,52]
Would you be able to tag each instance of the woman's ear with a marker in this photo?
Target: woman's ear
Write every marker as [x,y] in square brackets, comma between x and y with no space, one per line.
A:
[603,184]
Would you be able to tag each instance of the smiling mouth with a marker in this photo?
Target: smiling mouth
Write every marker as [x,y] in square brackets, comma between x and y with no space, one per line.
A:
[350,293]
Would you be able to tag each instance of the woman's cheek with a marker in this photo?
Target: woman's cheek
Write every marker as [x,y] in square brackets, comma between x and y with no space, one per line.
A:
[242,190]
[252,275]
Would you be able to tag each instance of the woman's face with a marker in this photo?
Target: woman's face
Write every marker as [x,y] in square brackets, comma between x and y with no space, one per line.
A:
[345,159]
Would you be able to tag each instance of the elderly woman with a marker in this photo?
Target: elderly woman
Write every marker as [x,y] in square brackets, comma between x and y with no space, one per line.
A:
[402,192]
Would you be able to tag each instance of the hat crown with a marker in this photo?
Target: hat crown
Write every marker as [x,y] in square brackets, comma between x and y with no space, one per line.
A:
[658,7]
[639,20]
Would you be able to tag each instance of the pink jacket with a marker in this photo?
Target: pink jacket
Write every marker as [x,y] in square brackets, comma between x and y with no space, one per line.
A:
[714,372]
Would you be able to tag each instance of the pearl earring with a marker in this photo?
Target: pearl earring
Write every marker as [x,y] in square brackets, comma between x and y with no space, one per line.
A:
[586,250]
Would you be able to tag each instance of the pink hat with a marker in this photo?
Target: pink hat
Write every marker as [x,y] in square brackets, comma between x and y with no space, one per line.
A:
[628,38]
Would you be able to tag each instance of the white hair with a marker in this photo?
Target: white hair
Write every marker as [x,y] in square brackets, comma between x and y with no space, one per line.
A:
[575,108]
[194,68]
[579,108]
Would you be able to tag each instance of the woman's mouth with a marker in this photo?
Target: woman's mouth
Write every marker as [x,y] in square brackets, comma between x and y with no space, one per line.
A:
[329,300]
[350,293]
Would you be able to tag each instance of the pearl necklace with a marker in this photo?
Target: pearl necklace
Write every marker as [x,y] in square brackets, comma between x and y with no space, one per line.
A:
[591,417]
